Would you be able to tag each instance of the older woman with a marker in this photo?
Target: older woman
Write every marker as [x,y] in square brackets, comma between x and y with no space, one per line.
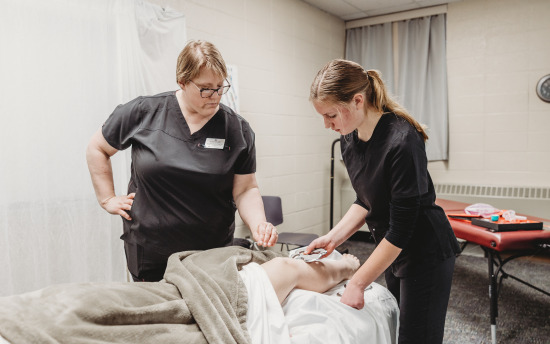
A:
[193,165]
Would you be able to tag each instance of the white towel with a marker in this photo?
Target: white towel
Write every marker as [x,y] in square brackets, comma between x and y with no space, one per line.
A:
[265,318]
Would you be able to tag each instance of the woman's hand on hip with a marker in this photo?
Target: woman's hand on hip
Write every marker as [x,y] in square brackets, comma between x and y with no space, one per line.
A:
[118,205]
[266,234]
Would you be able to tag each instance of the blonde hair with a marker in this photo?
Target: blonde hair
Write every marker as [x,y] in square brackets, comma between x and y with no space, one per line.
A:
[340,80]
[196,55]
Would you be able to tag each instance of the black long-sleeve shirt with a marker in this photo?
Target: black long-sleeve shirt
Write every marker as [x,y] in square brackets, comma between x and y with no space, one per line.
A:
[390,177]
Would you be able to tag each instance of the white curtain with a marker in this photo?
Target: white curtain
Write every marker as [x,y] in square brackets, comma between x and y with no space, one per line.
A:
[422,77]
[421,70]
[372,47]
[231,98]
[64,66]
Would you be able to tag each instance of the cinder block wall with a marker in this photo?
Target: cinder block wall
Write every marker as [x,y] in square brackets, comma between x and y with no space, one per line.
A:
[497,50]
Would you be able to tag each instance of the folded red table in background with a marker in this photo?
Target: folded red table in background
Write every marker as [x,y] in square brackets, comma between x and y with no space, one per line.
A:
[499,241]
[518,242]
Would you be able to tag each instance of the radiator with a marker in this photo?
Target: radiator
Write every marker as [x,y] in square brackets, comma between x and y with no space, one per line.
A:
[526,200]
[534,201]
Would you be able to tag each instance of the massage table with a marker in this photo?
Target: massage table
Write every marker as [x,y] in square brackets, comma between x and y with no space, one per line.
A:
[200,300]
[516,243]
[311,317]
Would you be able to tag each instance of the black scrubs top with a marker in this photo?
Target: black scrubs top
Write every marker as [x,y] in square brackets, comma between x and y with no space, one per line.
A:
[183,185]
[390,175]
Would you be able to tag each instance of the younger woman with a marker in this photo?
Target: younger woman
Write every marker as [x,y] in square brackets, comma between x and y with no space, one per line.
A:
[384,153]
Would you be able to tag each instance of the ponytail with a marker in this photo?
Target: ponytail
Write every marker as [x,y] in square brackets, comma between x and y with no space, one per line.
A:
[382,102]
[340,80]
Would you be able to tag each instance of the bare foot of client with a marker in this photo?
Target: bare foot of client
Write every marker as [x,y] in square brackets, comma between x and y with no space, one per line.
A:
[351,264]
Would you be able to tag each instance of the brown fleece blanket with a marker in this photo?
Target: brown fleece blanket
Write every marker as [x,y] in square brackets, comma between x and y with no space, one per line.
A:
[201,300]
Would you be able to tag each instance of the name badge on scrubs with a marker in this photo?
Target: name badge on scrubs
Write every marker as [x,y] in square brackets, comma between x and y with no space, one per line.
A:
[214,143]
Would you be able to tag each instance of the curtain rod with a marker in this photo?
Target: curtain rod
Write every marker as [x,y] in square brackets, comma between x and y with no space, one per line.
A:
[405,15]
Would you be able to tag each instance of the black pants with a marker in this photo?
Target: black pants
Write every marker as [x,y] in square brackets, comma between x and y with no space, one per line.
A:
[423,300]
[144,264]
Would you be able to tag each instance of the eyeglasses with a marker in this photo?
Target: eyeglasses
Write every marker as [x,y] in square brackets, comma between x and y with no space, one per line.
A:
[209,92]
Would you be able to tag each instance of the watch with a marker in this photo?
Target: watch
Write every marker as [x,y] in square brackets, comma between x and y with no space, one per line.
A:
[543,88]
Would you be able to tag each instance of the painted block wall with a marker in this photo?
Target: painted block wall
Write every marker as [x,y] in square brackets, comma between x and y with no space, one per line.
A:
[497,50]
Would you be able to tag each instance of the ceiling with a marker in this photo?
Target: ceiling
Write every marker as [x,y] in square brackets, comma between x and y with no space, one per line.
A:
[356,9]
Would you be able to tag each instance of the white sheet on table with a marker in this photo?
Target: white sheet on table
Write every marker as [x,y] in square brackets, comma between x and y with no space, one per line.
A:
[322,318]
[308,317]
[265,318]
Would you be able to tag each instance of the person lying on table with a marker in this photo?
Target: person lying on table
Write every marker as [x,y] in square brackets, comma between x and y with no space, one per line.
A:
[208,306]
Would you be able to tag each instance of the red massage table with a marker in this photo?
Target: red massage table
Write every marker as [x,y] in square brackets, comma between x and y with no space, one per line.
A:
[518,243]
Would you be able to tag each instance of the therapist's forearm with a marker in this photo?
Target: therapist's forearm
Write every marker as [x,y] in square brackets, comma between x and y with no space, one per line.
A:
[349,224]
[251,208]
[101,172]
[382,257]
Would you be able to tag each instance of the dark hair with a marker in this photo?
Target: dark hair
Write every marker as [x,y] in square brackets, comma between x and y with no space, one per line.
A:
[340,80]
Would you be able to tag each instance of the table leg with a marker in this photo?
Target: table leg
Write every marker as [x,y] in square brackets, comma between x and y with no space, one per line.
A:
[493,297]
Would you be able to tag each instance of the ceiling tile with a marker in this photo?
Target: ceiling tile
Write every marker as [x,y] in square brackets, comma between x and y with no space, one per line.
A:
[335,7]
[393,9]
[367,5]
[356,9]
[427,3]
[355,15]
